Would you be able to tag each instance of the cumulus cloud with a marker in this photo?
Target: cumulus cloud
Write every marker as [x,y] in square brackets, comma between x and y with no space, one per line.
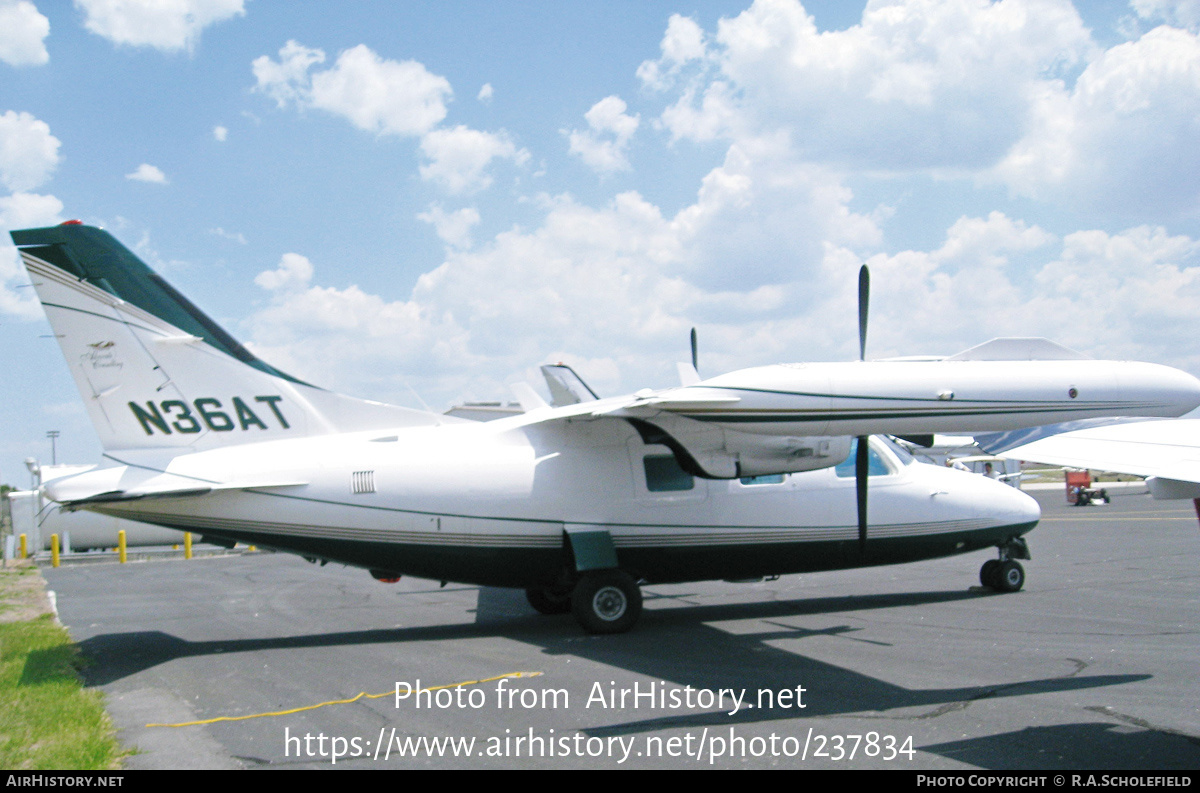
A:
[485,93]
[453,228]
[458,157]
[1125,138]
[454,333]
[375,94]
[615,286]
[764,259]
[906,88]
[28,156]
[147,173]
[683,43]
[232,236]
[766,216]
[390,97]
[1130,294]
[604,285]
[29,210]
[287,80]
[19,304]
[220,134]
[1181,13]
[166,25]
[28,152]
[19,211]
[294,272]
[603,145]
[23,31]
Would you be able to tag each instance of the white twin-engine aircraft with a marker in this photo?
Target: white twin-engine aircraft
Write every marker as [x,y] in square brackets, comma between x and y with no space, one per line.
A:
[755,473]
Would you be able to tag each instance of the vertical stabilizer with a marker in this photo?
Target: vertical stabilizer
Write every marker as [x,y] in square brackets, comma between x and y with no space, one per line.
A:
[155,371]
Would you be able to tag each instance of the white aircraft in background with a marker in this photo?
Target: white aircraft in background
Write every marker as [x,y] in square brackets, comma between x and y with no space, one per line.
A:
[1165,451]
[759,472]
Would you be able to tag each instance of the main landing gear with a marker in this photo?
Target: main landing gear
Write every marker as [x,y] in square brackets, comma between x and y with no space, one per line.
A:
[550,600]
[1006,574]
[603,601]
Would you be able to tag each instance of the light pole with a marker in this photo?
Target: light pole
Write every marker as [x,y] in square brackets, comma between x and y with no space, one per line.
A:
[52,434]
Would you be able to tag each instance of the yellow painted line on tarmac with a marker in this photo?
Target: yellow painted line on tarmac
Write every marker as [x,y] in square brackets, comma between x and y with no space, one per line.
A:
[361,695]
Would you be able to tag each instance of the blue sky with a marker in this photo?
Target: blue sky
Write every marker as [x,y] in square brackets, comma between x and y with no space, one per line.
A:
[387,198]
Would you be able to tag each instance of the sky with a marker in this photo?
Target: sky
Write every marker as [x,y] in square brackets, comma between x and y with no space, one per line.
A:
[421,203]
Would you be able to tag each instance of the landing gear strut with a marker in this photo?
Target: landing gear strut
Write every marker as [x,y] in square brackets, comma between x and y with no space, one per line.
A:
[1006,574]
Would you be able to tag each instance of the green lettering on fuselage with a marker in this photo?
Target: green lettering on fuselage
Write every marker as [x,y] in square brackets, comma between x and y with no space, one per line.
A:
[185,415]
[217,420]
[271,400]
[246,416]
[146,419]
[178,414]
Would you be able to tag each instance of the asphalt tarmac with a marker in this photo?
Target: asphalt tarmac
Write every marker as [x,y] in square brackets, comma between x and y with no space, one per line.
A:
[1092,666]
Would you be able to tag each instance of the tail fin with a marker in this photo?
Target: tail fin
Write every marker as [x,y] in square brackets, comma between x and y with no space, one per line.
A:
[155,372]
[566,386]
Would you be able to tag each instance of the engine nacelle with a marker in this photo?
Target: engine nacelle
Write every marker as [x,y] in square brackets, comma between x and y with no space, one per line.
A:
[720,453]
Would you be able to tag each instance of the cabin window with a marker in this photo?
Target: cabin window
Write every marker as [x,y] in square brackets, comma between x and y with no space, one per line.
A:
[663,474]
[875,464]
[765,479]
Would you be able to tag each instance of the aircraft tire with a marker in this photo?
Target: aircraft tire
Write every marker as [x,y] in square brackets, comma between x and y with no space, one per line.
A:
[606,601]
[1010,576]
[549,601]
[987,574]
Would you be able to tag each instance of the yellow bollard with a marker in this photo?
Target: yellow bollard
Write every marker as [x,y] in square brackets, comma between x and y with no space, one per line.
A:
[121,546]
[54,550]
[187,545]
[24,547]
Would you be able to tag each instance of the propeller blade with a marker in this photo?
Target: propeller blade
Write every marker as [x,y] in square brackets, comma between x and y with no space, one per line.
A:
[861,467]
[695,355]
[864,300]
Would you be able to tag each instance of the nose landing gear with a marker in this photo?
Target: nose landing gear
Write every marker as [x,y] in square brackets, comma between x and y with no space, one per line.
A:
[1006,574]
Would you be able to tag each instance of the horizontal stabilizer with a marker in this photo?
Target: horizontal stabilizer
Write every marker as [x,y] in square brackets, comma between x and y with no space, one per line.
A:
[529,399]
[177,492]
[126,483]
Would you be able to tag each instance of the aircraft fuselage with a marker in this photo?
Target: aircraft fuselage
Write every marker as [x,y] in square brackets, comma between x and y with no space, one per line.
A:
[490,503]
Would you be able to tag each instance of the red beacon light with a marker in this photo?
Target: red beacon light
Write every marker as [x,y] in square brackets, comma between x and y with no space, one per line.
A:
[71,223]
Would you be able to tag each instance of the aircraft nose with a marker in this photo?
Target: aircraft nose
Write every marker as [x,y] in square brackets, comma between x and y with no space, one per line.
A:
[1009,506]
[1026,508]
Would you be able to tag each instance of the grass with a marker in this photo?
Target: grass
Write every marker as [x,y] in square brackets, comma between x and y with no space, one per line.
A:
[48,720]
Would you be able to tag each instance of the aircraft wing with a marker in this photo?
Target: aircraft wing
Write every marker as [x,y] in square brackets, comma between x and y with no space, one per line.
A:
[1168,450]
